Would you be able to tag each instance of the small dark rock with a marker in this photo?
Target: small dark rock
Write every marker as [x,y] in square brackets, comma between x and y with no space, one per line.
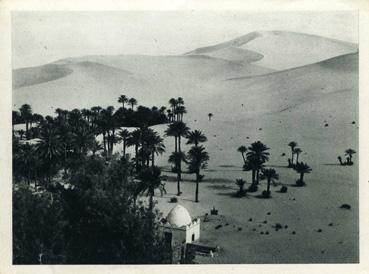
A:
[293,232]
[286,226]
[240,228]
[218,226]
[326,125]
[267,233]
[250,220]
[262,232]
[319,230]
[330,224]
[283,189]
[278,226]
[353,122]
[254,229]
[283,154]
[268,213]
[260,129]
[265,222]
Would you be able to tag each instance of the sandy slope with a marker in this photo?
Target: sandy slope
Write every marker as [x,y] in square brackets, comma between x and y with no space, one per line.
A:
[275,107]
[278,50]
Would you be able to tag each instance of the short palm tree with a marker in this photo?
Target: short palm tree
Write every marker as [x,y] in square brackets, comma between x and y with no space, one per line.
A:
[349,152]
[302,168]
[241,183]
[242,150]
[21,133]
[292,145]
[269,174]
[123,99]
[95,147]
[257,155]
[210,115]
[197,160]
[195,137]
[297,151]
[150,179]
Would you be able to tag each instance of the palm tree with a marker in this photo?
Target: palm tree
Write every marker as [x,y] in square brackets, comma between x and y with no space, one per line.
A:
[176,158]
[132,102]
[269,174]
[297,151]
[240,183]
[180,110]
[197,160]
[16,118]
[349,152]
[301,168]
[292,145]
[82,139]
[21,133]
[95,147]
[26,115]
[210,115]
[135,140]
[173,103]
[195,137]
[124,135]
[242,150]
[49,148]
[155,146]
[123,99]
[257,156]
[150,179]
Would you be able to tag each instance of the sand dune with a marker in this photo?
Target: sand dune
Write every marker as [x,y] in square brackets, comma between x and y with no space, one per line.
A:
[281,50]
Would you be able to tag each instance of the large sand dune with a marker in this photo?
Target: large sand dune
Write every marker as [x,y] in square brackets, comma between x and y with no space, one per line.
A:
[278,50]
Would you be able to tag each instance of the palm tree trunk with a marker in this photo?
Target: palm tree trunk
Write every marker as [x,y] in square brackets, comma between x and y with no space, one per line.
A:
[124,147]
[136,154]
[243,157]
[178,183]
[197,186]
[257,176]
[297,158]
[253,176]
[175,144]
[27,137]
[268,186]
[180,160]
[292,156]
[152,159]
[301,177]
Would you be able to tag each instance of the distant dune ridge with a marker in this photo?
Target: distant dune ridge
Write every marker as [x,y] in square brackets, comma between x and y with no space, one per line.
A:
[265,57]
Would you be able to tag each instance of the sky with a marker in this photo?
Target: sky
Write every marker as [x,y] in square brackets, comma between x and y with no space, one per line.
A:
[43,37]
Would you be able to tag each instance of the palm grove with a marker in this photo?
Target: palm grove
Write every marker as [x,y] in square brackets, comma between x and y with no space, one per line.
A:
[78,200]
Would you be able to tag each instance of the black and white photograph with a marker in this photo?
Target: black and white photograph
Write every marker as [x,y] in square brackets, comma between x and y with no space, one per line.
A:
[185,137]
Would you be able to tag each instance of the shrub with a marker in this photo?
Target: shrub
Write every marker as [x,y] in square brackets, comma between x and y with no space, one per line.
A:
[283,189]
[173,200]
[214,211]
[345,206]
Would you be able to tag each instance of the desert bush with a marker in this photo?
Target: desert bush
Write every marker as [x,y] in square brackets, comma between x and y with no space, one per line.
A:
[283,189]
[173,200]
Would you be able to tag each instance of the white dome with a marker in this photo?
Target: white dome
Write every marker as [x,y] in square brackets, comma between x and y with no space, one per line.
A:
[179,216]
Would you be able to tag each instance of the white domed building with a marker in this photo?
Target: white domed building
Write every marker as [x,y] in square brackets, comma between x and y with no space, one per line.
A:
[180,228]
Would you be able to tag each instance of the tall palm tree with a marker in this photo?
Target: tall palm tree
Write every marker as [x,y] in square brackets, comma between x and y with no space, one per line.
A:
[180,111]
[210,115]
[135,140]
[175,158]
[269,174]
[257,154]
[150,179]
[302,168]
[124,135]
[132,102]
[49,148]
[297,151]
[26,115]
[292,145]
[123,99]
[197,160]
[349,152]
[195,137]
[155,146]
[173,104]
[242,150]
